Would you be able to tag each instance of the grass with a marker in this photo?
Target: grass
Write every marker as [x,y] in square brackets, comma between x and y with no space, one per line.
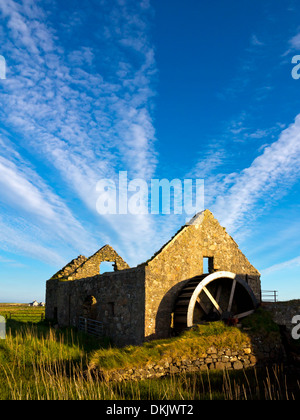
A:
[194,342]
[38,362]
[22,312]
[261,322]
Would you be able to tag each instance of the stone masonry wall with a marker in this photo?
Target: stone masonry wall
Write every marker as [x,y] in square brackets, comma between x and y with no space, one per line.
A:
[182,259]
[226,358]
[119,303]
[66,271]
[82,267]
[283,312]
[91,267]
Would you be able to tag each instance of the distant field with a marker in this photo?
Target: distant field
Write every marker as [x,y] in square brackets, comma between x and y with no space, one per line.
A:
[22,312]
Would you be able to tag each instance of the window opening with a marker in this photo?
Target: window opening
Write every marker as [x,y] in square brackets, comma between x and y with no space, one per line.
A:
[107,267]
[208,265]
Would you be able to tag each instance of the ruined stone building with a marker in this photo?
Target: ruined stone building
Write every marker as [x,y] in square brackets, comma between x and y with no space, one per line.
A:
[200,274]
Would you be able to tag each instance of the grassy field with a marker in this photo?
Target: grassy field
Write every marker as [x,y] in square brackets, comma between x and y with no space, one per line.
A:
[38,362]
[22,312]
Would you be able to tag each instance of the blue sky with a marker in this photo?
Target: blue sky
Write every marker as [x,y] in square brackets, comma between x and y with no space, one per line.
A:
[160,89]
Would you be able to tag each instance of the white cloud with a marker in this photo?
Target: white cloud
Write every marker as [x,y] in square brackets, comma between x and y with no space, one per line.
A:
[29,197]
[18,243]
[293,45]
[295,42]
[255,41]
[275,170]
[282,266]
[83,124]
[10,262]
[21,193]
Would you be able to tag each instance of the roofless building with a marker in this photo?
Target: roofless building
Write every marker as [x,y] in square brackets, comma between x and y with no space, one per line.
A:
[200,274]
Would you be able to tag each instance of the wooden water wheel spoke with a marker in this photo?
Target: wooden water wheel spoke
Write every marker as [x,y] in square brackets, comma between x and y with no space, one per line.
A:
[198,301]
[219,291]
[231,295]
[212,299]
[243,314]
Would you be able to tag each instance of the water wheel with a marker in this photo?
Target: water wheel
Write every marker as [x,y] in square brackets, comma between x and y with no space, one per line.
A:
[211,297]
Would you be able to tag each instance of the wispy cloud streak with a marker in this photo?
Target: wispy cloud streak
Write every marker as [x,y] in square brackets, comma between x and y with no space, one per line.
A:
[84,122]
[294,262]
[269,176]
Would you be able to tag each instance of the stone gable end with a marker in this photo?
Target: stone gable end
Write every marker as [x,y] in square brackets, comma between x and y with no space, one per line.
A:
[91,267]
[181,259]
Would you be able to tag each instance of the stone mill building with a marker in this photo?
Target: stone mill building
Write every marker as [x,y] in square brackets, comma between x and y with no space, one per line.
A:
[199,275]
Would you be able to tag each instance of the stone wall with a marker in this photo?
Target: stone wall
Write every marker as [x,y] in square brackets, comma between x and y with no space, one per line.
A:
[181,259]
[83,267]
[118,302]
[283,312]
[68,269]
[255,354]
[91,267]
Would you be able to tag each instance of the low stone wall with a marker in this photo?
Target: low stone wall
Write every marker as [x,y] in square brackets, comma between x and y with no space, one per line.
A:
[283,312]
[257,354]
